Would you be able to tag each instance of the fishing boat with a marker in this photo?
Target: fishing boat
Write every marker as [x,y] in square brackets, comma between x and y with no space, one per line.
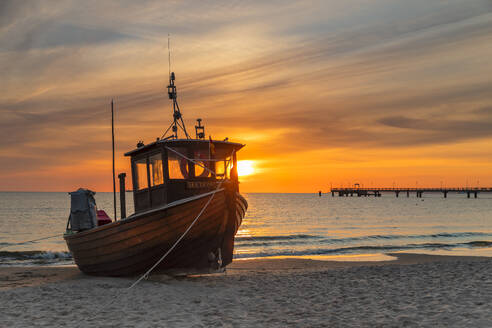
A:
[187,208]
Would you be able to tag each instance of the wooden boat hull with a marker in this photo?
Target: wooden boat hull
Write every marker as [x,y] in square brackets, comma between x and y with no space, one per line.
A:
[131,246]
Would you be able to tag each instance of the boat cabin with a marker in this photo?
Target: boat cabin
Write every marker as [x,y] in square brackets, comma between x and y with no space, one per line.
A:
[169,170]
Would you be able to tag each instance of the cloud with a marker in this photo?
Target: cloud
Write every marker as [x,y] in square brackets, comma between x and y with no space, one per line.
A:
[379,75]
[67,35]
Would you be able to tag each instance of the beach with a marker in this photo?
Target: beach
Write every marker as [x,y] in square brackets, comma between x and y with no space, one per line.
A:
[412,290]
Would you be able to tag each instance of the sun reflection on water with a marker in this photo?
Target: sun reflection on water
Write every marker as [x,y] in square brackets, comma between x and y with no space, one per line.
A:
[333,228]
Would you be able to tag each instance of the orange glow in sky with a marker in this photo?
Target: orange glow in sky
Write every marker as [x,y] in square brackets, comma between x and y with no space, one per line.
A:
[322,93]
[245,168]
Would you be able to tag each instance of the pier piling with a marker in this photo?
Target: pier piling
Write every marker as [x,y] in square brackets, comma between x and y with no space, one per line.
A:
[377,192]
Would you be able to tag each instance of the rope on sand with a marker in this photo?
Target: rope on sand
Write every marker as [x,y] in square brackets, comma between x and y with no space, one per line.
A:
[146,274]
[29,241]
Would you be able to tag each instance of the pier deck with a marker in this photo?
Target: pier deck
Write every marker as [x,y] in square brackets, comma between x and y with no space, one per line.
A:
[359,192]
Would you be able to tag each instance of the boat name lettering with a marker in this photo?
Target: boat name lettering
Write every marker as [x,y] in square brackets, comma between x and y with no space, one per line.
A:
[200,184]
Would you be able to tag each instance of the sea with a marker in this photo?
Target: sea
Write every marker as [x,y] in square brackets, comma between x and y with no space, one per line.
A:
[280,225]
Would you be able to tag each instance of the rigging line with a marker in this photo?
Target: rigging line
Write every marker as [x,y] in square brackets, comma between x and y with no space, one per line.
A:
[193,161]
[184,127]
[181,126]
[178,124]
[167,130]
[146,274]
[206,160]
[30,241]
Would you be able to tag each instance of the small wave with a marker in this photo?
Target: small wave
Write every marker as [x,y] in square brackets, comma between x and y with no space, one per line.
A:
[274,238]
[480,243]
[436,235]
[460,234]
[265,241]
[33,255]
[364,249]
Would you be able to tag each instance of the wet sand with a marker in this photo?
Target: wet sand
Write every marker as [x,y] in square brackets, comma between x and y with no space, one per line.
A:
[414,290]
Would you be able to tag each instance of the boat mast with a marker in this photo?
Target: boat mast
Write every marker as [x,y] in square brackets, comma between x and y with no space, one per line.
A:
[177,117]
[171,91]
[112,141]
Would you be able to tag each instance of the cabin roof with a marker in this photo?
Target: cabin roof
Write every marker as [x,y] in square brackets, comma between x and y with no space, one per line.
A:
[182,142]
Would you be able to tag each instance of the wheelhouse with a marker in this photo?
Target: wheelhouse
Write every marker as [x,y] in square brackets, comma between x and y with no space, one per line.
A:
[169,170]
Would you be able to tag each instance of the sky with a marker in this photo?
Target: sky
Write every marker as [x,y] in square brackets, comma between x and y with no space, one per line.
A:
[323,93]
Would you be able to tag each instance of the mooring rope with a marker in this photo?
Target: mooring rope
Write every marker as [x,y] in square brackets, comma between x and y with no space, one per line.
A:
[146,274]
[29,241]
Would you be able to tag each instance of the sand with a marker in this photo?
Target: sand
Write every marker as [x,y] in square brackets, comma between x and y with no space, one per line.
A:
[412,291]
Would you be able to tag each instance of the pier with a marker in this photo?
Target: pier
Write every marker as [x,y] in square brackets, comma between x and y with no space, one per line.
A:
[376,192]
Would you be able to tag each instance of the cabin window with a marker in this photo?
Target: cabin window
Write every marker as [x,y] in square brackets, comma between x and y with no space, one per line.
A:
[178,166]
[202,165]
[155,169]
[141,173]
[222,168]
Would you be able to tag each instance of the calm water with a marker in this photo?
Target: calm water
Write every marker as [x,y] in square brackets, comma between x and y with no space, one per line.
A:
[282,225]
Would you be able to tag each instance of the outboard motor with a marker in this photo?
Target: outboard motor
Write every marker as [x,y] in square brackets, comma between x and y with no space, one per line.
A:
[83,215]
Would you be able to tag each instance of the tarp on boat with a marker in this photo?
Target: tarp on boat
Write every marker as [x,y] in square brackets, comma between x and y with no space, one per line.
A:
[83,213]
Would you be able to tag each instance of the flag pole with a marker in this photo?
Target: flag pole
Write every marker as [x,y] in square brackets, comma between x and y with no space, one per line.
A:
[114,179]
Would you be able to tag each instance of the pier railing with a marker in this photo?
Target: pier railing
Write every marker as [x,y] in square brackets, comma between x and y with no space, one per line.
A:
[359,192]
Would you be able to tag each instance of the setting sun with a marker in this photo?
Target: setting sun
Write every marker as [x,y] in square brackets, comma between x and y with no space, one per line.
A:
[245,168]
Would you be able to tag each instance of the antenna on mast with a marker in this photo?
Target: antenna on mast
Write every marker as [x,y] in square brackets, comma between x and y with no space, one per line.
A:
[169,52]
[171,91]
